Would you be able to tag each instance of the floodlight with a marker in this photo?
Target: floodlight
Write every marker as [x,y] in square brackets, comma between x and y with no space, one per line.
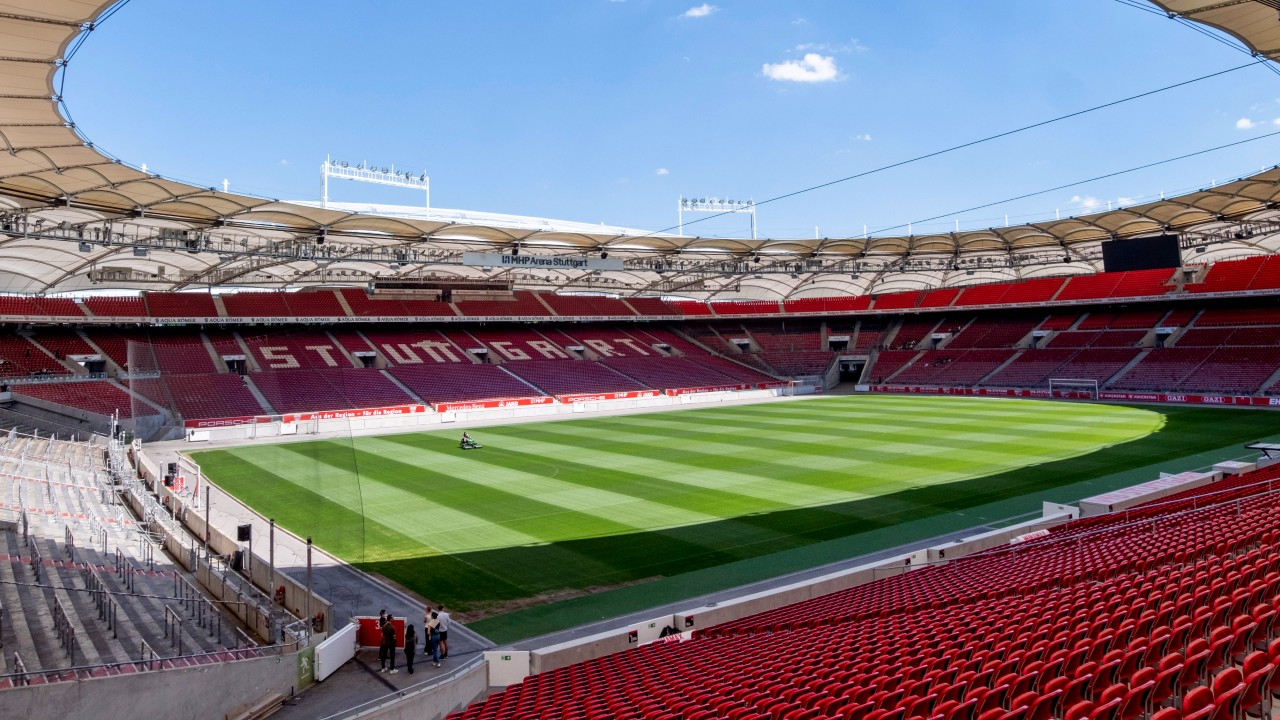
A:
[85,247]
[604,255]
[139,252]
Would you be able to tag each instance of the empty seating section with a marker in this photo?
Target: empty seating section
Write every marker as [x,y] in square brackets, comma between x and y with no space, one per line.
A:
[1179,317]
[734,370]
[19,357]
[1059,321]
[115,343]
[1238,316]
[587,305]
[718,337]
[63,343]
[1098,364]
[98,396]
[203,396]
[56,307]
[1031,369]
[604,342]
[799,362]
[1118,284]
[652,306]
[461,383]
[416,346]
[915,329]
[560,377]
[889,362]
[1103,619]
[519,344]
[942,297]
[746,307]
[690,308]
[993,332]
[1232,370]
[106,306]
[255,304]
[870,334]
[19,305]
[352,340]
[667,373]
[658,338]
[1028,291]
[898,301]
[301,390]
[1125,320]
[1162,368]
[848,303]
[522,303]
[318,303]
[364,306]
[182,355]
[952,367]
[1097,338]
[1229,275]
[792,348]
[307,349]
[192,304]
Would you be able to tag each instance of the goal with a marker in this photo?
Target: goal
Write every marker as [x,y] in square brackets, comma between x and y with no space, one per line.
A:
[1073,388]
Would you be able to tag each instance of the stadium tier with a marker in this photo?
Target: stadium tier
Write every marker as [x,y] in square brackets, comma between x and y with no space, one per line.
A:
[1166,611]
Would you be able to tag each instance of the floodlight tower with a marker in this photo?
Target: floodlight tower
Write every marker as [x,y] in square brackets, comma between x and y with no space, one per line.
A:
[717,206]
[371,174]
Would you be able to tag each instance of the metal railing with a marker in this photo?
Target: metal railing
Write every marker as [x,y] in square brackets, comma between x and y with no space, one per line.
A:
[65,630]
[152,663]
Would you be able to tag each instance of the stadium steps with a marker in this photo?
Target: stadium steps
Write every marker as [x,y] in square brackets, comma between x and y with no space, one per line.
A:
[219,306]
[250,361]
[403,388]
[337,345]
[539,390]
[1172,340]
[538,296]
[890,333]
[999,367]
[1127,367]
[70,366]
[257,395]
[346,308]
[139,399]
[905,365]
[109,363]
[29,614]
[214,355]
[93,646]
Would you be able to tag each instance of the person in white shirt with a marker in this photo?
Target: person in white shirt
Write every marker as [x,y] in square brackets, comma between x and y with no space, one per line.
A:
[444,631]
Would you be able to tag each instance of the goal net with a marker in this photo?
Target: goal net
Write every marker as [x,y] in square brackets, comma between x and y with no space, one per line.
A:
[1073,388]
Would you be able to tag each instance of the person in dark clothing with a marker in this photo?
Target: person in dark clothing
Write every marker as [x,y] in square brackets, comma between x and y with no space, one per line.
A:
[410,647]
[389,646]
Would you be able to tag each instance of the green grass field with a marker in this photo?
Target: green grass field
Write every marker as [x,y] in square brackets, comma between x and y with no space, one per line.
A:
[549,510]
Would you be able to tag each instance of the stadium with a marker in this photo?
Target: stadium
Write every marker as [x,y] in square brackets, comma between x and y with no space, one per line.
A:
[1017,472]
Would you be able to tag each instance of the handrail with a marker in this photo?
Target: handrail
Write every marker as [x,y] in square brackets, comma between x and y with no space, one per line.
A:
[83,672]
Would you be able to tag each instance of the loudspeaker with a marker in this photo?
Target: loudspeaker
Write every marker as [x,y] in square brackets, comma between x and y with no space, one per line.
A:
[173,468]
[237,560]
[242,532]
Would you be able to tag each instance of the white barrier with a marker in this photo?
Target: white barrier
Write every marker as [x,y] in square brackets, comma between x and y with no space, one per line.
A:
[334,652]
[1145,493]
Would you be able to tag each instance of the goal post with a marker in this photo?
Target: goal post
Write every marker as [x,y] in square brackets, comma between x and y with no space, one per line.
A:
[1073,387]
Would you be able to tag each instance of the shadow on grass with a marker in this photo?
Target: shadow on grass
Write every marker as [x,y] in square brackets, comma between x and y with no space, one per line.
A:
[492,581]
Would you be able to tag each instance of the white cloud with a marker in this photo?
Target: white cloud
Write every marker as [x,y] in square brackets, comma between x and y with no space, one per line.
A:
[700,11]
[284,162]
[812,68]
[662,171]
[853,46]
[1276,121]
[1124,201]
[1088,202]
[802,21]
[1245,124]
[864,137]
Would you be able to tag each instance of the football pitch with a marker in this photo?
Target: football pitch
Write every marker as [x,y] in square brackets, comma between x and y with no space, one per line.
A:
[552,510]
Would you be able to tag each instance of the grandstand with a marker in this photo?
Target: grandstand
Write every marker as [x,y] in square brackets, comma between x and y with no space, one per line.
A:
[142,316]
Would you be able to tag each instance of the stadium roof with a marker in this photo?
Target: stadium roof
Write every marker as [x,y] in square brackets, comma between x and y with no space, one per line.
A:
[79,218]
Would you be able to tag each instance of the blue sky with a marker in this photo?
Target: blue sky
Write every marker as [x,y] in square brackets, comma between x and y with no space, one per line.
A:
[607,110]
